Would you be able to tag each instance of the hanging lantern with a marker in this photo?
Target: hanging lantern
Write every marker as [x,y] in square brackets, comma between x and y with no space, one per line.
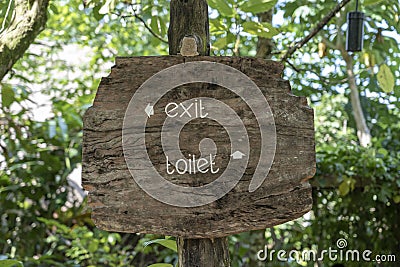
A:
[355,30]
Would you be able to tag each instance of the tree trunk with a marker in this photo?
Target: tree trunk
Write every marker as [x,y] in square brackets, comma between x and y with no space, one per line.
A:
[30,19]
[190,18]
[265,45]
[203,252]
[363,133]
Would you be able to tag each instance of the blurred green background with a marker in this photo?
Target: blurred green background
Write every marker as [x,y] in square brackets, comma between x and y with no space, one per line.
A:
[44,218]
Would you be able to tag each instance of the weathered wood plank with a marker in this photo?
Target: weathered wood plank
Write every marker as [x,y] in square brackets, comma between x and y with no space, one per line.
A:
[119,204]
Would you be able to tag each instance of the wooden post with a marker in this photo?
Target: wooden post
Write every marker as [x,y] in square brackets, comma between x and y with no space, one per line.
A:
[190,18]
[203,252]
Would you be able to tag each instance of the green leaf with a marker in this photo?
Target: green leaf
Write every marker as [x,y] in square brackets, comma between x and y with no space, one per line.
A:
[347,185]
[217,27]
[385,78]
[53,8]
[108,7]
[222,6]
[7,95]
[257,6]
[371,2]
[168,243]
[163,26]
[264,29]
[96,13]
[61,228]
[10,263]
[396,199]
[383,152]
[344,188]
[220,43]
[154,24]
[93,246]
[161,265]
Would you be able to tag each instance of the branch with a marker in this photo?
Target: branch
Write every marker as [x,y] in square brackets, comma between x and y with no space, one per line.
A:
[323,79]
[314,31]
[148,28]
[135,15]
[363,132]
[29,19]
[144,24]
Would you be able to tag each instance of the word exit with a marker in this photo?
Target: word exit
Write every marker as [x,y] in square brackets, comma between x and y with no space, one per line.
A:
[195,109]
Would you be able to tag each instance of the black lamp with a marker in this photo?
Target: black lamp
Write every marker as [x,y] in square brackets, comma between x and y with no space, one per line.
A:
[355,30]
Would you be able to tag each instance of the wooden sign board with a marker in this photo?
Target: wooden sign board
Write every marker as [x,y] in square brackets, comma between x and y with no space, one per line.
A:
[197,147]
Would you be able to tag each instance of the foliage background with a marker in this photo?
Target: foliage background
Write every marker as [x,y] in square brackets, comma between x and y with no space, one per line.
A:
[45,222]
